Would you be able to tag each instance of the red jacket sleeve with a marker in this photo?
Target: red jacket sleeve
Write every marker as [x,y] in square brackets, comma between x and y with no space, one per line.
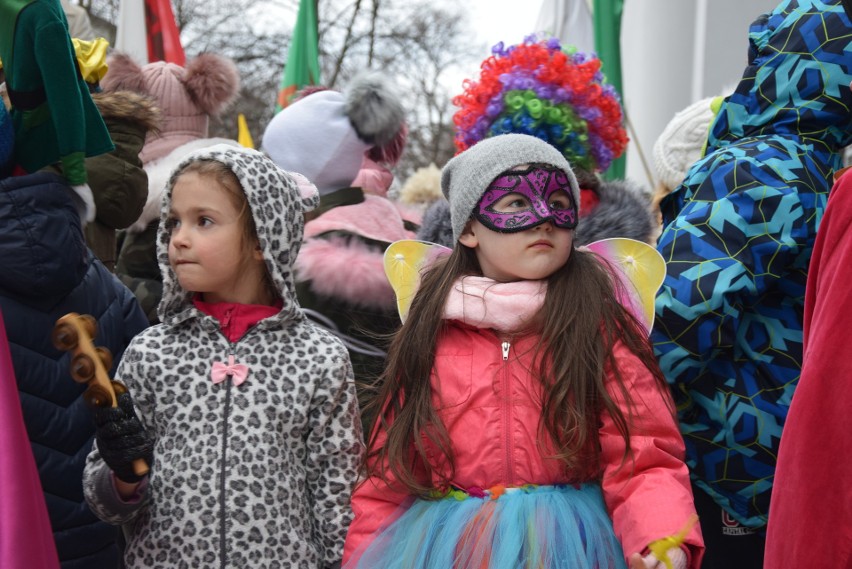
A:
[375,505]
[647,493]
[810,522]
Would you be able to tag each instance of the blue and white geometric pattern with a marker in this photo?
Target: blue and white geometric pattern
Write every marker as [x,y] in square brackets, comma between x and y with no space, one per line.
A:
[737,241]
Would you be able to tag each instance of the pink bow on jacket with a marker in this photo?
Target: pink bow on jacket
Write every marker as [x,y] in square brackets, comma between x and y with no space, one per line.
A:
[237,372]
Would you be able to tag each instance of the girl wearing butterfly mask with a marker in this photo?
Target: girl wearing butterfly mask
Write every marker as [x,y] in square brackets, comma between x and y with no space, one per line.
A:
[521,420]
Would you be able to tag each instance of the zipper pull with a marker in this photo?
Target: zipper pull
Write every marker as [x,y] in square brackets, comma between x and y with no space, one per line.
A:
[506,346]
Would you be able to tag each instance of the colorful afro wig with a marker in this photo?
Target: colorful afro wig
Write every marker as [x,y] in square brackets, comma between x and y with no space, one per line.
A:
[537,88]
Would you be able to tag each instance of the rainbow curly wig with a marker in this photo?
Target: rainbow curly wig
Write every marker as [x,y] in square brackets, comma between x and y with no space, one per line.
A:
[538,88]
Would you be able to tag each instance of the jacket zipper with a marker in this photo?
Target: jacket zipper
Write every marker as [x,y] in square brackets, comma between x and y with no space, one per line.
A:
[507,413]
[223,529]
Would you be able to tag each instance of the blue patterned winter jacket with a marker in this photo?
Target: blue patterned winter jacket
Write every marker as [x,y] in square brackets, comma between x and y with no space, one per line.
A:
[738,235]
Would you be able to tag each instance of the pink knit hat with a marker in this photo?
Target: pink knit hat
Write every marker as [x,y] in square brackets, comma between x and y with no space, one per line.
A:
[187,96]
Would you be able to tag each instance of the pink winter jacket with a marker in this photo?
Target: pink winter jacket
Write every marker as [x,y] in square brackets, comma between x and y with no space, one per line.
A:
[489,405]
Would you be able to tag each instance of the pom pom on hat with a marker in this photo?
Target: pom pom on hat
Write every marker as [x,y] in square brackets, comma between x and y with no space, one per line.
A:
[374,108]
[682,142]
[325,135]
[187,96]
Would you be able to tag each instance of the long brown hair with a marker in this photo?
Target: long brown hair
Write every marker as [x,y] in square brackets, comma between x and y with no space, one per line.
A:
[580,322]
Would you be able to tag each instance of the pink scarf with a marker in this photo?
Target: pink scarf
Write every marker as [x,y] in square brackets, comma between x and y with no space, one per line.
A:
[486,303]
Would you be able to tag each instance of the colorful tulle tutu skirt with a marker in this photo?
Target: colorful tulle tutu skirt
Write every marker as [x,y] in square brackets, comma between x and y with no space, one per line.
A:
[535,527]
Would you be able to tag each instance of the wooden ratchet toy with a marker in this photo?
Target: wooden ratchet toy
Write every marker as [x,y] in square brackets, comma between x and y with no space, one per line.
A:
[89,364]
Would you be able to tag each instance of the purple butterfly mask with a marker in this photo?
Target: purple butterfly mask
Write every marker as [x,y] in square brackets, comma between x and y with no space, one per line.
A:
[537,184]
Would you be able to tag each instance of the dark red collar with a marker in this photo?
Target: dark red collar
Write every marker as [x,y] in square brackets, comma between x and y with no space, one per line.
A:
[234,318]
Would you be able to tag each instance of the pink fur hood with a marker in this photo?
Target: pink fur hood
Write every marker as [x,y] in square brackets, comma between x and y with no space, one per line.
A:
[348,269]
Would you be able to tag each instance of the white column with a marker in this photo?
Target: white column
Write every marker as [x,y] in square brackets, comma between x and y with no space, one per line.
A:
[131,35]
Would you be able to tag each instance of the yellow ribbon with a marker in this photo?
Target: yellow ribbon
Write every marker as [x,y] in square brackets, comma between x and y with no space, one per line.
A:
[661,547]
[91,55]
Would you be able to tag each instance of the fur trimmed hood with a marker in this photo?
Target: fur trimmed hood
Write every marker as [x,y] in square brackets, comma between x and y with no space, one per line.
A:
[339,262]
[347,269]
[623,211]
[130,107]
[436,226]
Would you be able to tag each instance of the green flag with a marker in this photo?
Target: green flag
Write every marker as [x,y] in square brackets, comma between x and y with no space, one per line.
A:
[607,25]
[302,67]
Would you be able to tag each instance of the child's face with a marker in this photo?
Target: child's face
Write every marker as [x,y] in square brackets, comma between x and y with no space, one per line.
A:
[206,247]
[532,254]
[521,230]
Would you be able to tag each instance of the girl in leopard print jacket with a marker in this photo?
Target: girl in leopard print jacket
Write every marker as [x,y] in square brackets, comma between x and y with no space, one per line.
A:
[247,413]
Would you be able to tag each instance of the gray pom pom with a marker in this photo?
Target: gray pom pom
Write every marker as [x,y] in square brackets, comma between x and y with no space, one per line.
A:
[374,108]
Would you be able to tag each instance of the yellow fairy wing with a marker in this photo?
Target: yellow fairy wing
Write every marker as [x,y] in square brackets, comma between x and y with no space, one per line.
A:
[404,261]
[643,270]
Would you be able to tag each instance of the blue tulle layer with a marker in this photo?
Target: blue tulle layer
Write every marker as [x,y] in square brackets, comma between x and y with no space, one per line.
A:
[546,527]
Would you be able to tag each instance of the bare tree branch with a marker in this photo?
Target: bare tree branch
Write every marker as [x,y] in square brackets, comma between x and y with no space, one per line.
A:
[418,43]
[346,44]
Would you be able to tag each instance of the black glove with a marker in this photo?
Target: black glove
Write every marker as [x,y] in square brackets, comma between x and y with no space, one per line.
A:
[122,439]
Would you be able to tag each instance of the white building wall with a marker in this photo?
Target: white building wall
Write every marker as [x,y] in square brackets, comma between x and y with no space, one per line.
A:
[658,54]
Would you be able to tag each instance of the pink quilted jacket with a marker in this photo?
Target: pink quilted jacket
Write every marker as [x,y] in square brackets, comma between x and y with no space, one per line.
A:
[489,405]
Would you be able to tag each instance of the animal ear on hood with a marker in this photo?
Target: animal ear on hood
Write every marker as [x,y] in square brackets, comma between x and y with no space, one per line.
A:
[308,193]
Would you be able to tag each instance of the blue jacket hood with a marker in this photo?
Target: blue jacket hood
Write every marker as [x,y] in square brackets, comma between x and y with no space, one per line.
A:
[42,249]
[797,79]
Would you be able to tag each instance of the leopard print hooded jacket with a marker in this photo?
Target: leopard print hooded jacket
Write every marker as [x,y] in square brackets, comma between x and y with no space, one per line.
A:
[253,475]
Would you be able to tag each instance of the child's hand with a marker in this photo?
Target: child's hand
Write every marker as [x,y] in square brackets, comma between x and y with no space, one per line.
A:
[122,439]
[677,556]
[666,553]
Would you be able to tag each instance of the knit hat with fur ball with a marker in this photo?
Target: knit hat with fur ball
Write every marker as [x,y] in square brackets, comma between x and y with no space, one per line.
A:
[326,134]
[682,142]
[187,96]
[466,177]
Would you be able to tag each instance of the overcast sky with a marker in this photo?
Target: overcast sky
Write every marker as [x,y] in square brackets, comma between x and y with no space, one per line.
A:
[503,20]
[494,21]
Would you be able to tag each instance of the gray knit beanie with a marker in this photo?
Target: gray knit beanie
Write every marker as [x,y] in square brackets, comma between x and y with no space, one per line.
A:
[466,177]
